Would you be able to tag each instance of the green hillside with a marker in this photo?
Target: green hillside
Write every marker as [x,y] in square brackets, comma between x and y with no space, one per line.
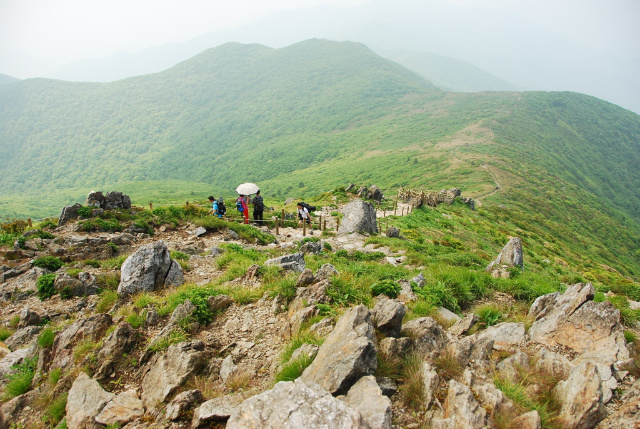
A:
[316,115]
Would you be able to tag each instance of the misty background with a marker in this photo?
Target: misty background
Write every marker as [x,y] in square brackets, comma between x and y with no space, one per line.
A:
[461,45]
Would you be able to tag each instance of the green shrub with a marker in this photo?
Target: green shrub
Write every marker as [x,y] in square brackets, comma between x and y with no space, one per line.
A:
[92,263]
[488,315]
[20,379]
[294,369]
[5,333]
[176,336]
[386,287]
[108,298]
[44,284]
[50,263]
[178,256]
[54,376]
[46,337]
[136,319]
[114,263]
[85,212]
[56,410]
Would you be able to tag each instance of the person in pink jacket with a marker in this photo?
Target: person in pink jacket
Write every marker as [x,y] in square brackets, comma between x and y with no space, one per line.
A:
[241,205]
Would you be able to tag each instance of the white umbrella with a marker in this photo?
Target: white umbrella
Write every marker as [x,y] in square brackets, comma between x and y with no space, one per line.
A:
[247,189]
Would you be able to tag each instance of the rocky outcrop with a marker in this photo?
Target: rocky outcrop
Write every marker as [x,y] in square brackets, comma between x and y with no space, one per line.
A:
[510,256]
[347,354]
[112,200]
[387,316]
[166,372]
[294,405]
[69,213]
[149,268]
[85,401]
[429,337]
[92,328]
[358,216]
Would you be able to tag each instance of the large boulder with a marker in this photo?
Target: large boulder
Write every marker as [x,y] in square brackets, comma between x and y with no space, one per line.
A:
[388,315]
[112,200]
[429,337]
[347,354]
[166,372]
[149,268]
[295,405]
[122,409]
[592,330]
[366,397]
[509,256]
[581,397]
[85,401]
[68,213]
[358,216]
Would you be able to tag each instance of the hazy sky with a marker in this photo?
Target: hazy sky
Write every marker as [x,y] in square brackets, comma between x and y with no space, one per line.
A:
[36,36]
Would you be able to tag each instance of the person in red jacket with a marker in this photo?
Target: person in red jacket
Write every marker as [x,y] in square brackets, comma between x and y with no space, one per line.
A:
[241,205]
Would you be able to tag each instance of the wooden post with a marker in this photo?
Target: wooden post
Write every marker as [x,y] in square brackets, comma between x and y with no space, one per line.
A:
[282,217]
[304,227]
[324,226]
[187,203]
[29,223]
[395,207]
[277,227]
[150,206]
[338,227]
[379,226]
[320,222]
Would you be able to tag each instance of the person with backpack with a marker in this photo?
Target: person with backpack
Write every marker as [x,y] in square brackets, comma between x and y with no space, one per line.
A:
[221,209]
[258,208]
[241,206]
[303,214]
[214,205]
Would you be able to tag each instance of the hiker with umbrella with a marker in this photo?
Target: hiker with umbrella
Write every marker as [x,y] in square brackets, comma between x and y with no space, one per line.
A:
[245,190]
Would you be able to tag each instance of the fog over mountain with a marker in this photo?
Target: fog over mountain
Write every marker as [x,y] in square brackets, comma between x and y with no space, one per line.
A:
[509,50]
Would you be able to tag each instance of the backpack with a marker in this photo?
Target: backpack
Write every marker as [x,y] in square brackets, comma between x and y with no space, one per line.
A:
[222,209]
[308,207]
[258,203]
[239,205]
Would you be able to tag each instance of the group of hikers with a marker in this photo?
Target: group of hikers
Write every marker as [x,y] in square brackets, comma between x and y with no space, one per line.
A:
[219,209]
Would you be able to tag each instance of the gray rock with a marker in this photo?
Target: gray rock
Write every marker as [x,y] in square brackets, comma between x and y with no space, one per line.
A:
[461,409]
[463,325]
[323,327]
[147,269]
[13,358]
[182,403]
[298,318]
[85,284]
[393,232]
[294,262]
[22,337]
[85,401]
[28,317]
[388,385]
[505,335]
[68,213]
[175,276]
[294,405]
[166,372]
[216,251]
[309,350]
[430,382]
[471,348]
[511,367]
[92,328]
[200,231]
[394,347]
[358,216]
[214,410]
[227,368]
[448,316]
[182,312]
[530,420]
[492,398]
[419,280]
[428,335]
[347,354]
[219,302]
[366,397]
[325,272]
[313,247]
[121,341]
[406,294]
[124,408]
[306,278]
[387,315]
[510,255]
[581,397]
[591,329]
[552,363]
